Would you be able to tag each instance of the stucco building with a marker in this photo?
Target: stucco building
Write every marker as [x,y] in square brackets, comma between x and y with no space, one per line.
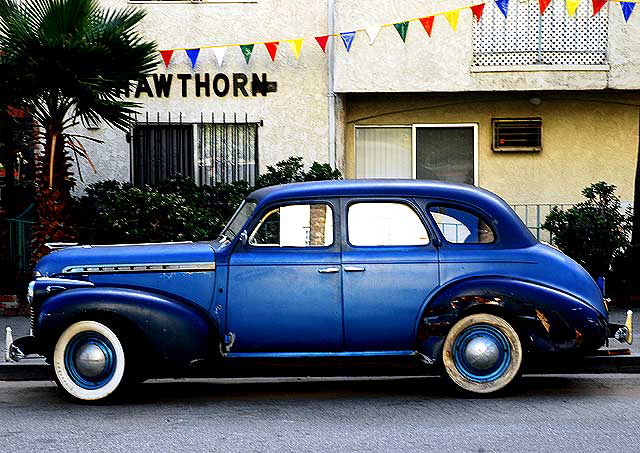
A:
[533,107]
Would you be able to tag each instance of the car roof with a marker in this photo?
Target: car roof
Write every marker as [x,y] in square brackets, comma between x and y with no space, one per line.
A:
[512,231]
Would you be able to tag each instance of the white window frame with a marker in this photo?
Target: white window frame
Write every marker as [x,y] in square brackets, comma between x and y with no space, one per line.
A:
[413,128]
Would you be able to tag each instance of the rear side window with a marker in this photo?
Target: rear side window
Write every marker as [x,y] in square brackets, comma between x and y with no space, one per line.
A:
[461,227]
[385,224]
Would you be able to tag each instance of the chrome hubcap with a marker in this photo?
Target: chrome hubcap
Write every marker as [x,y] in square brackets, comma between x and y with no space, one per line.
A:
[90,360]
[482,353]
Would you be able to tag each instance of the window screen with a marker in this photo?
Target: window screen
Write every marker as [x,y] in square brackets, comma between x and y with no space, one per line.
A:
[445,154]
[461,227]
[386,224]
[160,152]
[519,134]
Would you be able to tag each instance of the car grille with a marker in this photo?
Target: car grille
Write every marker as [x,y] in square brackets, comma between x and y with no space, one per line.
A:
[32,318]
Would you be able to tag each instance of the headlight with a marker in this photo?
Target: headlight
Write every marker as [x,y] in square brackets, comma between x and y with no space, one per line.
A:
[30,291]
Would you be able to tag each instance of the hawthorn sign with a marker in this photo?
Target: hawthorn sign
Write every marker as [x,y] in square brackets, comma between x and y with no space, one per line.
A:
[204,85]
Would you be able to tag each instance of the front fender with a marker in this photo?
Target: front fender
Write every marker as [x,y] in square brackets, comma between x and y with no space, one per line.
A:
[547,320]
[168,334]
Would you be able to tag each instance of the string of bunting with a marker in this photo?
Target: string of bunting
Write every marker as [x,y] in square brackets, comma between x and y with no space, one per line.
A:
[372,31]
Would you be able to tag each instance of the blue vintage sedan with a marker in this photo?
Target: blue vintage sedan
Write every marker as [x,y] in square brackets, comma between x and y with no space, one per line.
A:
[443,274]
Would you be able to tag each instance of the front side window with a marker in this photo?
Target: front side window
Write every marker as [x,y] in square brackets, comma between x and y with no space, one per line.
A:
[385,224]
[242,214]
[461,227]
[301,225]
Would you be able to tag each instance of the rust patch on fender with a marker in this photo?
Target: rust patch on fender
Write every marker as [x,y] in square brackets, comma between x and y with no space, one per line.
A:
[543,319]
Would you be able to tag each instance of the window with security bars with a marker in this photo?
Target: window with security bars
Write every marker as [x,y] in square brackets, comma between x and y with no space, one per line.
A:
[227,152]
[520,134]
[525,37]
[159,151]
[209,153]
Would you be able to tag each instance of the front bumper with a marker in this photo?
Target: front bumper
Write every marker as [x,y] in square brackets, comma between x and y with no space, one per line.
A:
[21,348]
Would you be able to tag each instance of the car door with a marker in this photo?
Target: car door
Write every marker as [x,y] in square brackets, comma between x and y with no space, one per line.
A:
[285,292]
[390,265]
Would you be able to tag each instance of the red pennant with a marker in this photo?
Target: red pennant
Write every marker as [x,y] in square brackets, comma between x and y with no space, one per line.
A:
[322,42]
[272,48]
[427,23]
[543,5]
[597,6]
[477,11]
[166,57]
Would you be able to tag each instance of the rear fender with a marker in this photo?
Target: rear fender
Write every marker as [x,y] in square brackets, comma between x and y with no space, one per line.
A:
[547,320]
[168,334]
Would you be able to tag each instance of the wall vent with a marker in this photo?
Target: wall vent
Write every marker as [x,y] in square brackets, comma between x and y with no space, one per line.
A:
[517,135]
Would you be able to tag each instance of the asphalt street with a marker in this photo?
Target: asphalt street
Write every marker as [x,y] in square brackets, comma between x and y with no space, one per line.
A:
[544,413]
[550,413]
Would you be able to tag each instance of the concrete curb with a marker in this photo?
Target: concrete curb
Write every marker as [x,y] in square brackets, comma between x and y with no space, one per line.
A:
[38,371]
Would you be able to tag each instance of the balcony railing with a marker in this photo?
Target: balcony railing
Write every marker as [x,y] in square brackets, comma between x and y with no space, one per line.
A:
[526,37]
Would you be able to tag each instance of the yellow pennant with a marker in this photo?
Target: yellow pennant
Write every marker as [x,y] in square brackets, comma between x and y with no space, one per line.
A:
[296,46]
[572,6]
[452,18]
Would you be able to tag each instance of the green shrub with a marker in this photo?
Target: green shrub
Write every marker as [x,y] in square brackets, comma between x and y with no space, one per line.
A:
[177,209]
[595,232]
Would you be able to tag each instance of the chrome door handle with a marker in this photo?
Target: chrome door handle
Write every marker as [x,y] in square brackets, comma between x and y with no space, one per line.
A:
[329,270]
[354,269]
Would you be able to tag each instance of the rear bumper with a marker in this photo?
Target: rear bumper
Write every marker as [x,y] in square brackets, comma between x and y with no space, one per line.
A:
[622,332]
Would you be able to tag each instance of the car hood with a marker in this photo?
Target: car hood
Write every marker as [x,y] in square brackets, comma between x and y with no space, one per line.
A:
[186,255]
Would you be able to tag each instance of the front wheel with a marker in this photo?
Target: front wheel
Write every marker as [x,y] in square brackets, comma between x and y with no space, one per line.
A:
[89,361]
[482,354]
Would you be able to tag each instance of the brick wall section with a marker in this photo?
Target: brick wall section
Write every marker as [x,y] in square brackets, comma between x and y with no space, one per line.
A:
[9,306]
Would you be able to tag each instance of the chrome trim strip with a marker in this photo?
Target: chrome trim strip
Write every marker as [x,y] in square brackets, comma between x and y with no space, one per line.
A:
[148,267]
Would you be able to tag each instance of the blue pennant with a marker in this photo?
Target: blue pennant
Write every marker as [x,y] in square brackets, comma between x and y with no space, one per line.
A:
[627,9]
[347,39]
[503,6]
[193,56]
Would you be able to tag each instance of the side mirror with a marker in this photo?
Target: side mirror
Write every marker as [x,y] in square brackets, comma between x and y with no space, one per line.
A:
[244,237]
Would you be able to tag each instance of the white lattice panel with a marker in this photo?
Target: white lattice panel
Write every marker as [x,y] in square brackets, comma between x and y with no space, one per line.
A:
[526,38]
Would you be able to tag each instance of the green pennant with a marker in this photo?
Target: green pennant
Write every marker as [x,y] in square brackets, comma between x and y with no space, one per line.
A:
[402,28]
[247,50]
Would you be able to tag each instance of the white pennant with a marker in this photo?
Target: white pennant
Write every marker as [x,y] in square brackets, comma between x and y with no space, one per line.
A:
[372,32]
[220,52]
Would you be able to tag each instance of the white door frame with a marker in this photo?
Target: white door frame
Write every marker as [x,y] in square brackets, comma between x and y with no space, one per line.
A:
[413,128]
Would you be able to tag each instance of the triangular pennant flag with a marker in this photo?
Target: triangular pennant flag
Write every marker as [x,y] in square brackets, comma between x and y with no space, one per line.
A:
[272,48]
[452,18]
[296,46]
[503,6]
[372,32]
[347,39]
[193,56]
[402,28]
[166,57]
[627,9]
[427,23]
[543,5]
[597,6]
[220,52]
[572,6]
[247,50]
[477,11]
[322,42]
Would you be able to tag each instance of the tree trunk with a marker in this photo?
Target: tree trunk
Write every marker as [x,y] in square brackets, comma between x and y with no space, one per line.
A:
[53,195]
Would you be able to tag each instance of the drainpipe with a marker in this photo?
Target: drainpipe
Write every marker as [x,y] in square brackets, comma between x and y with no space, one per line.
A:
[331,96]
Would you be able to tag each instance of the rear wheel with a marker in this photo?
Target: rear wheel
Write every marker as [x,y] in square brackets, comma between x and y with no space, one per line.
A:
[89,361]
[482,354]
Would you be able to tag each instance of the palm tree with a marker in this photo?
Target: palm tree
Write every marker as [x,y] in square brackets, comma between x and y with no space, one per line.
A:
[74,60]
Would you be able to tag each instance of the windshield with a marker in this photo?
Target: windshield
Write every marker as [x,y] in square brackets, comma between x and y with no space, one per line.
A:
[238,220]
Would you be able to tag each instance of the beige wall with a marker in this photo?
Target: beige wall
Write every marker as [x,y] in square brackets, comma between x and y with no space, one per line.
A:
[444,61]
[583,140]
[295,117]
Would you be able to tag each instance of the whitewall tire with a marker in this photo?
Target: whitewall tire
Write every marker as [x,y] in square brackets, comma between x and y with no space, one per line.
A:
[482,354]
[89,361]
